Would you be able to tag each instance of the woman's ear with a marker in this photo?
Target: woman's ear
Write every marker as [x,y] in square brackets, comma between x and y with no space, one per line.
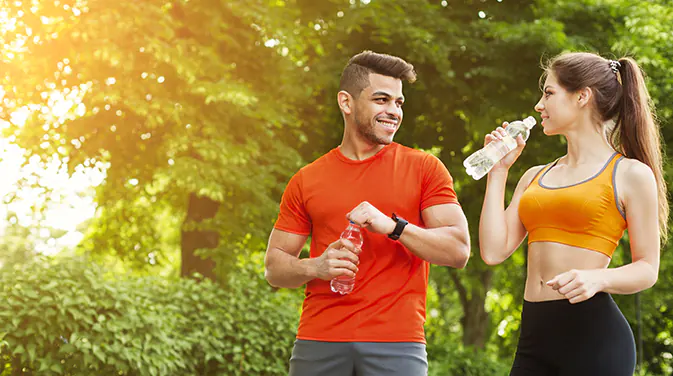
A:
[584,96]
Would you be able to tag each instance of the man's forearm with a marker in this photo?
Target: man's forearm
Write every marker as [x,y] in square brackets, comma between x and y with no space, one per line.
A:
[287,271]
[447,246]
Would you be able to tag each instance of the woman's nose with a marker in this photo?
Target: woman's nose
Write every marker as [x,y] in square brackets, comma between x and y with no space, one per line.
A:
[539,107]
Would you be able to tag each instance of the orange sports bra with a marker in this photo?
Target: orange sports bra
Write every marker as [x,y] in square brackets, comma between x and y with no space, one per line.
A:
[585,215]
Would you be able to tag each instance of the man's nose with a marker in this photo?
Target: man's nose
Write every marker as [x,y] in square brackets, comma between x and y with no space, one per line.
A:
[395,110]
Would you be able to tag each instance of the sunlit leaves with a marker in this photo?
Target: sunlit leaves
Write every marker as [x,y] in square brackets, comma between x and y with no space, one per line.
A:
[186,83]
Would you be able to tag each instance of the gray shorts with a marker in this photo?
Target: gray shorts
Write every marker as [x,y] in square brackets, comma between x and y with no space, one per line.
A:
[316,358]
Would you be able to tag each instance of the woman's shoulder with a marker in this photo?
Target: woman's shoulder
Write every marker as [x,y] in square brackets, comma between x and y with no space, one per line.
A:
[530,175]
[631,168]
[634,176]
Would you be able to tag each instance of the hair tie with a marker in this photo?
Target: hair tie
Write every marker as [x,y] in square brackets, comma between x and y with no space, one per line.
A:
[614,65]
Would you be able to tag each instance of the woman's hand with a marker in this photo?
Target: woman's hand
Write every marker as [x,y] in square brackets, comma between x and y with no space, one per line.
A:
[508,160]
[578,285]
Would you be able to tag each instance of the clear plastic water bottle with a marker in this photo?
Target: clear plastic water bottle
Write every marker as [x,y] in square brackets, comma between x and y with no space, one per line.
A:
[482,161]
[344,284]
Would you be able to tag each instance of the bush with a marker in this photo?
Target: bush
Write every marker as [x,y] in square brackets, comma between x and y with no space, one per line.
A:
[64,317]
[458,362]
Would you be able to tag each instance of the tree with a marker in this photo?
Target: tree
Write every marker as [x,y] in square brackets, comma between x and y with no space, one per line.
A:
[176,103]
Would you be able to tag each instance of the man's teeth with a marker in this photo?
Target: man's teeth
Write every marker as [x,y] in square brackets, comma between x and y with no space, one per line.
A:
[387,125]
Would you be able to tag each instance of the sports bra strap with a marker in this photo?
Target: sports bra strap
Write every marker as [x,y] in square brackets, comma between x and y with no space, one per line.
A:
[542,170]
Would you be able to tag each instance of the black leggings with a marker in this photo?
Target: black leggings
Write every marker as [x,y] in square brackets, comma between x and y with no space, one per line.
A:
[591,338]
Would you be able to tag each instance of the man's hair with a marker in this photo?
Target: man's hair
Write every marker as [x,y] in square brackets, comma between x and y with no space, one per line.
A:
[355,76]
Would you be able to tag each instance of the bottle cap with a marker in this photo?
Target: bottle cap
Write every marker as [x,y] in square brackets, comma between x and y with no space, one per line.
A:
[529,122]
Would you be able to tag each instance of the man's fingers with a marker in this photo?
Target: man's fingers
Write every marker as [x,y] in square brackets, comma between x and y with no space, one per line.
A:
[361,214]
[342,271]
[355,216]
[341,264]
[334,245]
[348,255]
[343,254]
[344,243]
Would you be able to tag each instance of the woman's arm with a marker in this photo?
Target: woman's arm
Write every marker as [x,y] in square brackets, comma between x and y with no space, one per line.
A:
[639,188]
[501,231]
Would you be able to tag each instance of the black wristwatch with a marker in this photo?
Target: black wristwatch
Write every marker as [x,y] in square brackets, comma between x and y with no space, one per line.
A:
[399,227]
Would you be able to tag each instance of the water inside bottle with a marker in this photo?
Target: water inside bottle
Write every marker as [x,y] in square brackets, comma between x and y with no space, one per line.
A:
[344,284]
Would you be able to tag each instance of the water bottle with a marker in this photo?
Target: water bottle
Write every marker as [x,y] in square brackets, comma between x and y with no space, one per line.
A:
[344,284]
[482,161]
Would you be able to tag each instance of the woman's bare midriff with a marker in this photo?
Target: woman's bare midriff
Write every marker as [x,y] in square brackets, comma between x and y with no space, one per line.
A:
[546,260]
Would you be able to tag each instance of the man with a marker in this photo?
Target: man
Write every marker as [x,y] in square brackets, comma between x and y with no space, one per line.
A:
[377,329]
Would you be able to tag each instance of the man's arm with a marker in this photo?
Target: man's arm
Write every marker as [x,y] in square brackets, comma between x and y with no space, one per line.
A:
[445,241]
[284,268]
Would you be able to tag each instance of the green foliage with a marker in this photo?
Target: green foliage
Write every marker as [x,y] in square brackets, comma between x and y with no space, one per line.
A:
[465,362]
[66,317]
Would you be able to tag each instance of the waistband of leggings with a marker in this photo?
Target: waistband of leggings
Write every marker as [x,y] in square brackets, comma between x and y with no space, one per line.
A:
[599,299]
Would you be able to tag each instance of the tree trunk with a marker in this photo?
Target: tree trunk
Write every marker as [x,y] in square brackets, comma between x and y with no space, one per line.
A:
[475,320]
[199,209]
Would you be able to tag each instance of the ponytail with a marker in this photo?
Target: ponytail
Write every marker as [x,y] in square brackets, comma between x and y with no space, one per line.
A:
[636,132]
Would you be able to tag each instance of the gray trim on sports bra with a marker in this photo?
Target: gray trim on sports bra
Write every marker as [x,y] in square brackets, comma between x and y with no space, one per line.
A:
[539,181]
[614,188]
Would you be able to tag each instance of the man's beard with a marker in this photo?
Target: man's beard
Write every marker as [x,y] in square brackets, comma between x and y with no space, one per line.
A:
[368,131]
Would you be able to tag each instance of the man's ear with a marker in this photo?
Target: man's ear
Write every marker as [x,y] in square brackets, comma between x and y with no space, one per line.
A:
[585,96]
[345,101]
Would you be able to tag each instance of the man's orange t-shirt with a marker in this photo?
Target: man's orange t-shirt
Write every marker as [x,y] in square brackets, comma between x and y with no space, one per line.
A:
[388,301]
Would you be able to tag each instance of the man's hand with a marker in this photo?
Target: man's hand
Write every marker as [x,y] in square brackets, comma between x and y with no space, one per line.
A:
[340,258]
[369,217]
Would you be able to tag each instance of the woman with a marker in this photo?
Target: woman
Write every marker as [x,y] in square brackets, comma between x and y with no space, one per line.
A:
[575,211]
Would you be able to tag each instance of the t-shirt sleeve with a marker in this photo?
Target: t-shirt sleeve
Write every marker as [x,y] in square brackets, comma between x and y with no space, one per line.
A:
[437,184]
[293,216]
